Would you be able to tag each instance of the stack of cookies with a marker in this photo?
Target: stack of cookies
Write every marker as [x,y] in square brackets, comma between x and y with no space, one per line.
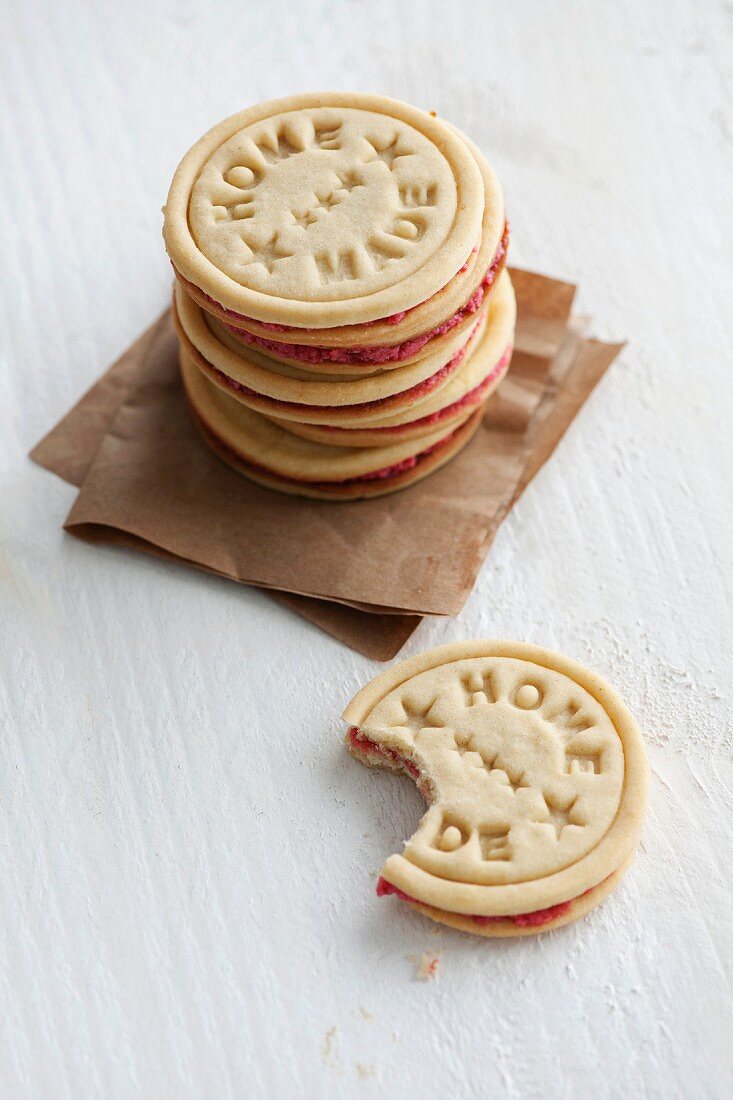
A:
[340,298]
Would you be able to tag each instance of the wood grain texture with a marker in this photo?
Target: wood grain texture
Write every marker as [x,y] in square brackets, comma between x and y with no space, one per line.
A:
[187,855]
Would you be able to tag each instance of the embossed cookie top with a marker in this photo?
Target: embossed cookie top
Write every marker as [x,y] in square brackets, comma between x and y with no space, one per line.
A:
[527,765]
[343,211]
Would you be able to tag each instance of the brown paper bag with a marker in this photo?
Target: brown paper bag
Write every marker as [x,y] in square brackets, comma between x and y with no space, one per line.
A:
[148,481]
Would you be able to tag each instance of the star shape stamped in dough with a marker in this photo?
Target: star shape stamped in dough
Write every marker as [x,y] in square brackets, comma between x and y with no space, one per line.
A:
[267,253]
[560,817]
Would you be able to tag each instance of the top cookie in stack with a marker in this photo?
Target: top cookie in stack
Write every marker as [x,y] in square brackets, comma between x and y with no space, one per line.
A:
[335,258]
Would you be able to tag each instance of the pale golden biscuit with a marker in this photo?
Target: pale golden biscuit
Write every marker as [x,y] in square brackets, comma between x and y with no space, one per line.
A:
[536,776]
[478,276]
[472,384]
[296,395]
[377,437]
[265,453]
[347,490]
[324,209]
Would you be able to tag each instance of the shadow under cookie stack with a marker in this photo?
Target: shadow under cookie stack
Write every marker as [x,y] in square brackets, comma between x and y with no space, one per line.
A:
[341,299]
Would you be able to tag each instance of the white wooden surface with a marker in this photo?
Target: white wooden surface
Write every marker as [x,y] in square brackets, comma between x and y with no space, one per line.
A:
[187,855]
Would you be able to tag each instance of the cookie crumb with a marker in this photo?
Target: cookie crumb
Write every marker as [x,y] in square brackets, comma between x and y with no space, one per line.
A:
[364,1071]
[427,966]
[328,1052]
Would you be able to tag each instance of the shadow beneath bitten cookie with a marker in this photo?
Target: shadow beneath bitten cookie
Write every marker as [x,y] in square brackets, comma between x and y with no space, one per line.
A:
[402,932]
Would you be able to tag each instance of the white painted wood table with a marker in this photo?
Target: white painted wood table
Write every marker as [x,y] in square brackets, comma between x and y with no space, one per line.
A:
[187,854]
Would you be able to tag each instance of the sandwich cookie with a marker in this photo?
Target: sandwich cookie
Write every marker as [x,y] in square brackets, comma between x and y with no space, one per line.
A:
[292,394]
[469,388]
[322,210]
[535,773]
[473,281]
[264,453]
[401,337]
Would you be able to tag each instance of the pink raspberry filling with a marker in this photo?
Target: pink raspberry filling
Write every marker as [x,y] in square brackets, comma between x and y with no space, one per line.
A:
[401,468]
[418,390]
[473,397]
[533,919]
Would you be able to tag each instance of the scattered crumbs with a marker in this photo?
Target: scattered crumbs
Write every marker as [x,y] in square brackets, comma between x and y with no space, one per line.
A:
[364,1071]
[365,1013]
[328,1048]
[426,965]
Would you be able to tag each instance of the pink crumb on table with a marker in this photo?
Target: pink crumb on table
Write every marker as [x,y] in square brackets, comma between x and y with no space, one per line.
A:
[427,966]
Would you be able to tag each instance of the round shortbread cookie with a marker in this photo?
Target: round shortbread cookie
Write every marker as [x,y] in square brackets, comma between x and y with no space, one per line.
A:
[292,394]
[343,491]
[535,772]
[256,440]
[323,209]
[366,436]
[478,275]
[472,384]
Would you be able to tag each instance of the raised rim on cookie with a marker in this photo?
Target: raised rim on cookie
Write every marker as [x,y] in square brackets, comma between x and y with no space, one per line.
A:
[397,202]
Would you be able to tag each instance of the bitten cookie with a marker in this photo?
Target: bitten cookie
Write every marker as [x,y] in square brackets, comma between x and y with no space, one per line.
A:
[535,774]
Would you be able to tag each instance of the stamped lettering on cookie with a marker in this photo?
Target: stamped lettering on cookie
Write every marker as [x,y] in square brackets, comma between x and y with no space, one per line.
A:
[525,768]
[323,203]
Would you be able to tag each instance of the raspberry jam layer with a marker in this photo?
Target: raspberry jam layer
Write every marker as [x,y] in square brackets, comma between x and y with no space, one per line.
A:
[473,397]
[371,354]
[371,748]
[522,920]
[419,390]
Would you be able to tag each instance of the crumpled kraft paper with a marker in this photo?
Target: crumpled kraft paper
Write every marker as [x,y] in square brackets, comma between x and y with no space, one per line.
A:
[365,571]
